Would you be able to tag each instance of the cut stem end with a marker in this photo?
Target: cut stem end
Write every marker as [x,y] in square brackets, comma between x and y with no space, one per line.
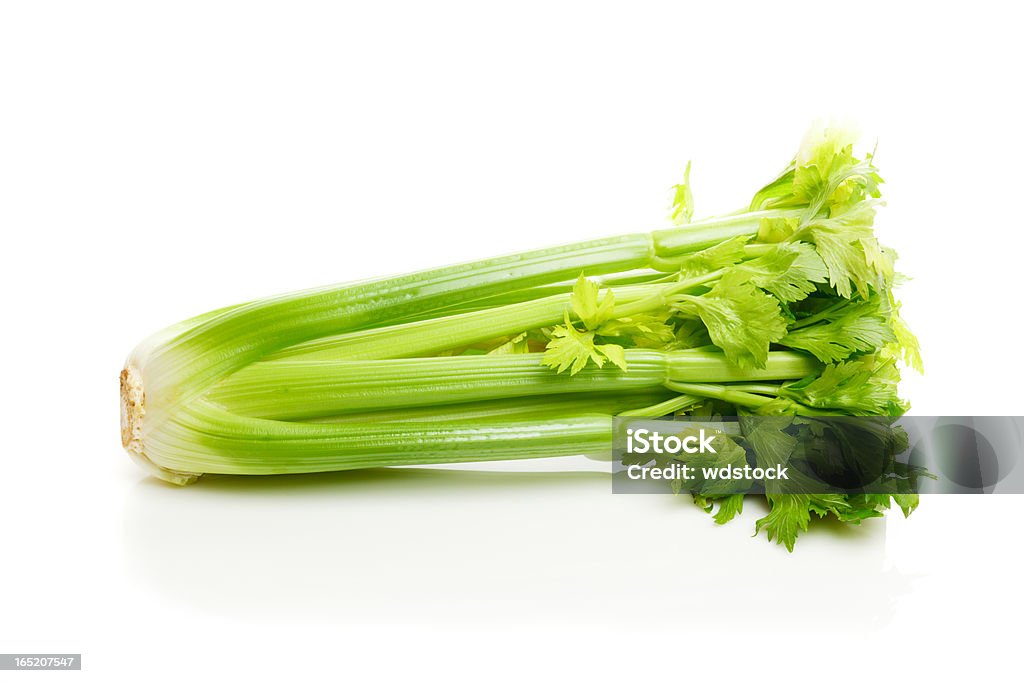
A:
[133,410]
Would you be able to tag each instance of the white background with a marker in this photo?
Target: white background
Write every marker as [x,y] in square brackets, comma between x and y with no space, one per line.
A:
[162,159]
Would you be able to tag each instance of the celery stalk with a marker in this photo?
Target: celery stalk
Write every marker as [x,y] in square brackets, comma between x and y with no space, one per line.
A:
[301,390]
[202,438]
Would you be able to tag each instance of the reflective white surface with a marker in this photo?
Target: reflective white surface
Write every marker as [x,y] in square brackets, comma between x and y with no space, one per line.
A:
[490,547]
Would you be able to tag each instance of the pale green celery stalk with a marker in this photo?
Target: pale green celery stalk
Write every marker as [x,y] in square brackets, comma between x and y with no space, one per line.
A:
[707,233]
[558,405]
[711,364]
[188,364]
[297,390]
[431,336]
[666,407]
[434,335]
[769,389]
[737,395]
[722,393]
[634,277]
[180,364]
[203,439]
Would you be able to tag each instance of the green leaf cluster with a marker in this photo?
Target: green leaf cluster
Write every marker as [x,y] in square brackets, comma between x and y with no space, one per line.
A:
[813,279]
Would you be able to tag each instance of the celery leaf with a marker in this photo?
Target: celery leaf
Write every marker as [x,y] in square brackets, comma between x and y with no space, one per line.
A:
[721,255]
[789,516]
[682,202]
[839,243]
[570,349]
[854,328]
[646,330]
[789,271]
[728,508]
[587,306]
[864,386]
[741,319]
[518,344]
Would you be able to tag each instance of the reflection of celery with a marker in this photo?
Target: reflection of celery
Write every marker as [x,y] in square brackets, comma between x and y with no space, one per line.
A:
[785,307]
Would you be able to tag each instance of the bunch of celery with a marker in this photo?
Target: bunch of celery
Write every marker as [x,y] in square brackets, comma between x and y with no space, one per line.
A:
[783,308]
